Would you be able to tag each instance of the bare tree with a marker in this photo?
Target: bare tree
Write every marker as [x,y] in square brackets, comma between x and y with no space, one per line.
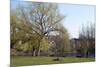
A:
[87,37]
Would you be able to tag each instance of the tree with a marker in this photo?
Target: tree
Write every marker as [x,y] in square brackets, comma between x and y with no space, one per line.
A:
[59,43]
[65,39]
[87,37]
[21,33]
[39,19]
[42,18]
[13,28]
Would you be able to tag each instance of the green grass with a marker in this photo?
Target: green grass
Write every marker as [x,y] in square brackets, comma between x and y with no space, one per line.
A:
[28,60]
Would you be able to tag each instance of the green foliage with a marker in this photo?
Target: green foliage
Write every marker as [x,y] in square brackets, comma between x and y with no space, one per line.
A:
[65,39]
[44,44]
[31,26]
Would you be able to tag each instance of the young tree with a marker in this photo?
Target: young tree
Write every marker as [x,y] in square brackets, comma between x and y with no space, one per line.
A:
[60,42]
[65,39]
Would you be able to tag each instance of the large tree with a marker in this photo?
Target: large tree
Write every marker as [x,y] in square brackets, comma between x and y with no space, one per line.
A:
[39,19]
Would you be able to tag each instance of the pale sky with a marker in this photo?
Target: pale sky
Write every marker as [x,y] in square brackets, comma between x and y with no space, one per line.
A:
[76,15]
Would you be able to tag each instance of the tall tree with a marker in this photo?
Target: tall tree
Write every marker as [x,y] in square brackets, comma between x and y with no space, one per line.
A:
[40,19]
[87,37]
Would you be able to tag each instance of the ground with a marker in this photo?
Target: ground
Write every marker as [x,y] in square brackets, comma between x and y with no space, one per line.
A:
[29,60]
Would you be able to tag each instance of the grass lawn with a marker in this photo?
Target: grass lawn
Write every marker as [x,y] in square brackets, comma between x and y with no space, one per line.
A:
[28,60]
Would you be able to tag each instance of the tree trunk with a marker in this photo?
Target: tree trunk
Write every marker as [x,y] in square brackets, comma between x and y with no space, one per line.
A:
[39,46]
[38,49]
[34,54]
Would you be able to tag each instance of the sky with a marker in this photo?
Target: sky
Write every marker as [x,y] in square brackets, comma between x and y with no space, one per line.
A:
[76,16]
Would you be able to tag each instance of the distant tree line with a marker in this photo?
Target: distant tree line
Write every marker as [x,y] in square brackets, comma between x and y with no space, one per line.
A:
[87,39]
